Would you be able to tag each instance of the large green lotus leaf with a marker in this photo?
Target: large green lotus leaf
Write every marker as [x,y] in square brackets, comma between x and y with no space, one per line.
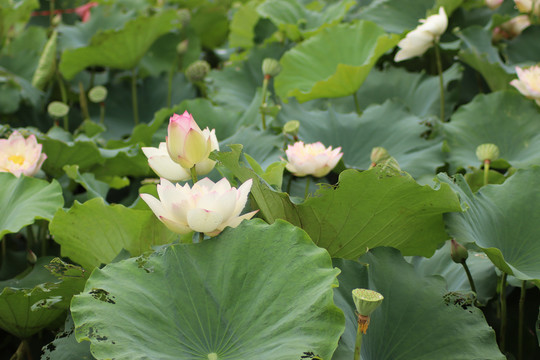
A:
[378,207]
[210,23]
[300,22]
[308,72]
[415,320]
[25,199]
[388,125]
[505,119]
[65,346]
[119,49]
[21,56]
[396,16]
[34,300]
[500,219]
[236,296]
[122,162]
[94,188]
[86,243]
[477,52]
[261,146]
[525,47]
[482,270]
[12,12]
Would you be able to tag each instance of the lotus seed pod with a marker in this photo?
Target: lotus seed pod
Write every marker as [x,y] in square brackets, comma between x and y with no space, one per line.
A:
[366,301]
[182,47]
[379,154]
[291,127]
[458,252]
[184,17]
[270,67]
[487,152]
[97,94]
[197,71]
[57,109]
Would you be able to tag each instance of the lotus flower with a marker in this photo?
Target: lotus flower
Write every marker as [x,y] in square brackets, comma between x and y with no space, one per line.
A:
[493,4]
[511,28]
[162,164]
[84,10]
[526,6]
[20,156]
[528,83]
[423,37]
[207,207]
[187,144]
[311,159]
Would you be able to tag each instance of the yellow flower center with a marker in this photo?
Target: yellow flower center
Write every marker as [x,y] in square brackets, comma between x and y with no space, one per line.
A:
[17,159]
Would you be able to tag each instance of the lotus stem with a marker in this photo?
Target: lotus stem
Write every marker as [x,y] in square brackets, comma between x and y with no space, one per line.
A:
[441,83]
[356,104]
[201,237]
[63,94]
[102,112]
[521,318]
[193,174]
[4,249]
[263,101]
[469,276]
[42,235]
[51,12]
[486,171]
[134,96]
[358,343]
[502,342]
[83,102]
[306,193]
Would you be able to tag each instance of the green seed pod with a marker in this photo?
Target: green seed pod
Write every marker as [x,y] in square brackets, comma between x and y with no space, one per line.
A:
[488,152]
[458,252]
[270,67]
[197,71]
[291,127]
[366,301]
[184,16]
[97,94]
[57,109]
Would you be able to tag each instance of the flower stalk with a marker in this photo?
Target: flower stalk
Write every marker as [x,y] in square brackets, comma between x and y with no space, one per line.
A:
[521,318]
[134,96]
[306,193]
[193,172]
[440,72]
[263,101]
[502,300]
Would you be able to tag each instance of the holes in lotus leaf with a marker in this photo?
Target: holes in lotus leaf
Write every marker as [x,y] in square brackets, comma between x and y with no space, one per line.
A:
[61,269]
[102,295]
[465,300]
[46,303]
[141,264]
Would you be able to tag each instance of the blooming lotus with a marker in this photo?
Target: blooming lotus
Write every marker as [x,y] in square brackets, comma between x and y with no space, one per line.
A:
[526,6]
[207,207]
[187,144]
[423,37]
[311,159]
[528,83]
[21,156]
[162,164]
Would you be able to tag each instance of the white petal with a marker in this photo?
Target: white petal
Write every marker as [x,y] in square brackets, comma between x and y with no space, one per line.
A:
[202,220]
[155,205]
[175,226]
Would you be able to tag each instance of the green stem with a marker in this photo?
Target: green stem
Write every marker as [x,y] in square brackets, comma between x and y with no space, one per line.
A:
[469,276]
[4,249]
[358,344]
[521,318]
[83,102]
[201,237]
[63,94]
[502,298]
[31,238]
[441,83]
[263,101]
[193,174]
[169,87]
[42,236]
[486,171]
[134,96]
[102,113]
[306,193]
[289,183]
[51,12]
[356,104]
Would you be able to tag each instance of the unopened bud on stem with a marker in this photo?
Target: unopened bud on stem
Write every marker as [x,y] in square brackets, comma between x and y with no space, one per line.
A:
[458,252]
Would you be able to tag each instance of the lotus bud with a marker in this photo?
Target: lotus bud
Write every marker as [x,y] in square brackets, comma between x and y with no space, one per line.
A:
[291,127]
[57,109]
[458,252]
[365,301]
[487,152]
[97,94]
[182,47]
[378,154]
[31,257]
[270,67]
[197,71]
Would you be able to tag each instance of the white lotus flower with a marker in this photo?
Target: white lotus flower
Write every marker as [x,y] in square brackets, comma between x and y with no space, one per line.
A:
[528,83]
[160,161]
[21,156]
[311,159]
[423,37]
[526,6]
[207,207]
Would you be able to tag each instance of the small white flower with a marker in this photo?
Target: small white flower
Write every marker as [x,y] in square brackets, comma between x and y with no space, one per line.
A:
[207,207]
[311,159]
[21,156]
[528,83]
[423,37]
